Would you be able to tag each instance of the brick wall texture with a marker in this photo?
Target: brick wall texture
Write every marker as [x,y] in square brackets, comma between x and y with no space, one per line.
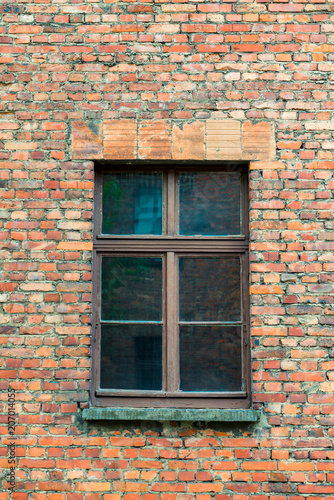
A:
[77,75]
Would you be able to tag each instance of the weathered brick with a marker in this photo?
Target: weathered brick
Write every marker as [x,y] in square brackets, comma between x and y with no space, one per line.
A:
[223,140]
[188,141]
[87,140]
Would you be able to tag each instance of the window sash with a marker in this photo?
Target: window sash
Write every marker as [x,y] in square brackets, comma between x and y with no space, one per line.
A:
[170,198]
[170,323]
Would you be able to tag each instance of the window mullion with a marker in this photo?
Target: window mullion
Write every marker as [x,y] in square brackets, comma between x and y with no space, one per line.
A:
[97,229]
[246,361]
[173,376]
[96,324]
[171,203]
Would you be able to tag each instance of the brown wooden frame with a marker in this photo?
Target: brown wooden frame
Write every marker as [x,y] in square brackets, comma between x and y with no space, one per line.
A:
[169,246]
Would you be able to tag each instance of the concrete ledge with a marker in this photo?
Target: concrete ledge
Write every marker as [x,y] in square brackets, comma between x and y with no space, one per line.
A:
[171,414]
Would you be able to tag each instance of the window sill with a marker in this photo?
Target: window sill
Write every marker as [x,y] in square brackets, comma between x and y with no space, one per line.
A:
[171,414]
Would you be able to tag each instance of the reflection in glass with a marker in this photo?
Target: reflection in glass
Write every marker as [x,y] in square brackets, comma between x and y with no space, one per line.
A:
[131,288]
[131,357]
[209,288]
[210,203]
[132,203]
[210,358]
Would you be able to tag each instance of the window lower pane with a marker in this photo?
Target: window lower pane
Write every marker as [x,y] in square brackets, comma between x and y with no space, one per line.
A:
[210,358]
[131,357]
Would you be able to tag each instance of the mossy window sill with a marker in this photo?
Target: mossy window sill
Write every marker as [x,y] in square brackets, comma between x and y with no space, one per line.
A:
[171,414]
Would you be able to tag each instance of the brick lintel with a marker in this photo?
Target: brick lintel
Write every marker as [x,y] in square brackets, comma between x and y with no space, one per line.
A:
[210,139]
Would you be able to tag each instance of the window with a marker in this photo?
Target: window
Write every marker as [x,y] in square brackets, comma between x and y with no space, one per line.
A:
[171,286]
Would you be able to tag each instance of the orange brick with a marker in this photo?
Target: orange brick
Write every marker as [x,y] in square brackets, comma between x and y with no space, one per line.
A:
[154,140]
[258,141]
[120,139]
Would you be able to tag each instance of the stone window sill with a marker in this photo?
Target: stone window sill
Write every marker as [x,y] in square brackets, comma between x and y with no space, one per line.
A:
[171,414]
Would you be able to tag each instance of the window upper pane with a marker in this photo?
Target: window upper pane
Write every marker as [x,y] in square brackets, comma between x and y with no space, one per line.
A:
[209,288]
[131,289]
[132,203]
[210,203]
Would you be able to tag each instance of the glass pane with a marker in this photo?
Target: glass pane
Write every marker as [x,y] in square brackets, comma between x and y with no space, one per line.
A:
[209,289]
[210,358]
[131,357]
[210,203]
[131,288]
[132,203]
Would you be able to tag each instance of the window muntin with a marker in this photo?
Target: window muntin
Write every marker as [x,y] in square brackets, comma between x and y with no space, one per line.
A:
[171,309]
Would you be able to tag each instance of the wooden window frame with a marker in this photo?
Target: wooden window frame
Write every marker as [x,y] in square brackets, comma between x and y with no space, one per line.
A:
[169,246]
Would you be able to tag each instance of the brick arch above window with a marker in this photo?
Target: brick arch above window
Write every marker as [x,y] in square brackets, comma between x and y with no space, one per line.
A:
[130,139]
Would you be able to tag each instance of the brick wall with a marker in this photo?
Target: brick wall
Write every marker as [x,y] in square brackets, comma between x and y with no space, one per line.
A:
[71,73]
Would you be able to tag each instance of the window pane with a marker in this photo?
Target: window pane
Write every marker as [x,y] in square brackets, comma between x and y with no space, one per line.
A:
[210,203]
[209,289]
[131,357]
[131,288]
[132,203]
[210,358]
